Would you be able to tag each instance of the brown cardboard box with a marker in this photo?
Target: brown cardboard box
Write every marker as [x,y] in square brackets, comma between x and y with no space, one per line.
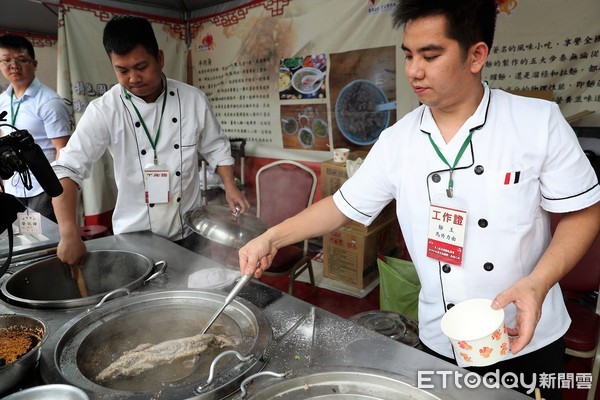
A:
[350,256]
[333,174]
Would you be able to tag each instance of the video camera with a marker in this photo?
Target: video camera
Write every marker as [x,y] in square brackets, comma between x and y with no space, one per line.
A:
[19,153]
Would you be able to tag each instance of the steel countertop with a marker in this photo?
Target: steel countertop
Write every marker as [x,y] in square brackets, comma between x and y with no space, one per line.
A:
[327,340]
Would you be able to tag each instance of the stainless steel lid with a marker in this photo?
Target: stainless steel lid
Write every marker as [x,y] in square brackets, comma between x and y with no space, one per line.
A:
[219,224]
[390,324]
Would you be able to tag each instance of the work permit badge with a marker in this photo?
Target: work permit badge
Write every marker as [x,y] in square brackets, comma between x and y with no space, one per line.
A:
[29,222]
[447,228]
[156,179]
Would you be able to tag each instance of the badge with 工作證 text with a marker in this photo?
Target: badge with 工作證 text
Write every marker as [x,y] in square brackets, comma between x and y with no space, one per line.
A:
[446,234]
[29,222]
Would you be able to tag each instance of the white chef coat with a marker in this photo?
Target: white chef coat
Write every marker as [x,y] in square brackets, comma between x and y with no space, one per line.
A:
[45,115]
[507,227]
[188,128]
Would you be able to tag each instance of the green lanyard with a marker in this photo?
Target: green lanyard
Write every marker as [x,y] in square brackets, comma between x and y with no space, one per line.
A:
[13,116]
[154,142]
[450,190]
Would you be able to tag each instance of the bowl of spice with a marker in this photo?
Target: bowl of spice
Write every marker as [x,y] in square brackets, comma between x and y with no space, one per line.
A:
[21,339]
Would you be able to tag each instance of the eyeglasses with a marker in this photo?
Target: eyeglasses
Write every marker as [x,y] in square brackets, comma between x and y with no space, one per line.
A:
[18,62]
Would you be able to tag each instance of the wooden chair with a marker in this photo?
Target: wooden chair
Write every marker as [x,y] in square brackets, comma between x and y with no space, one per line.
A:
[583,337]
[283,189]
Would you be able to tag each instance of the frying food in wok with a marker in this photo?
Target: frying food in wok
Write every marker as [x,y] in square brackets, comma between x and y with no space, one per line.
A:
[147,356]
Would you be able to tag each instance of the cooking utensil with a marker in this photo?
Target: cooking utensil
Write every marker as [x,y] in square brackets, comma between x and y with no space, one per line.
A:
[49,392]
[86,344]
[49,284]
[23,327]
[234,292]
[219,224]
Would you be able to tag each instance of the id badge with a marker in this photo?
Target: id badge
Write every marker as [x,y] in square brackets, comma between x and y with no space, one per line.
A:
[29,222]
[447,228]
[156,179]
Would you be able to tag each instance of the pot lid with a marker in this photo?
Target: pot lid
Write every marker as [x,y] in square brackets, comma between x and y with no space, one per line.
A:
[219,224]
[391,324]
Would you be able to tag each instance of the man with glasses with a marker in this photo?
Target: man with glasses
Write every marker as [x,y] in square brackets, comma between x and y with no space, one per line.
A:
[33,106]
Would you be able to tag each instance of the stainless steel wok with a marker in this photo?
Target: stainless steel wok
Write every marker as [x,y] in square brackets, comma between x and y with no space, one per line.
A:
[49,284]
[91,341]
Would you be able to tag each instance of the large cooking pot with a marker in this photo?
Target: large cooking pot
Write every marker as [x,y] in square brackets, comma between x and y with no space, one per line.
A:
[19,333]
[91,341]
[52,284]
[337,382]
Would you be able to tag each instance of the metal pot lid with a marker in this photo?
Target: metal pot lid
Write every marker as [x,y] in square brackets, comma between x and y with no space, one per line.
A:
[391,324]
[92,340]
[337,382]
[219,224]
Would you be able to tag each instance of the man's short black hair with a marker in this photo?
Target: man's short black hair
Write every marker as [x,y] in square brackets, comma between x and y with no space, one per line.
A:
[469,21]
[125,32]
[16,42]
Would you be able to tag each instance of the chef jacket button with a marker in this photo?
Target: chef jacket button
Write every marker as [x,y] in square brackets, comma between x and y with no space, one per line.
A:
[176,146]
[137,124]
[482,223]
[479,169]
[178,173]
[178,199]
[172,93]
[174,120]
[488,266]
[143,152]
[446,268]
[449,306]
[436,178]
[151,204]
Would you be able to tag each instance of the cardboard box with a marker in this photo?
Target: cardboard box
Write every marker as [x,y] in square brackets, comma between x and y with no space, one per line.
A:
[350,256]
[333,174]
[386,215]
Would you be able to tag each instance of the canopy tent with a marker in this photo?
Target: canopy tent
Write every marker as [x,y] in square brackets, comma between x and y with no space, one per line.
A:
[40,17]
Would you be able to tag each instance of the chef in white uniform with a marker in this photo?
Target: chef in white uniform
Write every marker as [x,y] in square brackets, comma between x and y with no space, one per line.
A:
[154,128]
[495,163]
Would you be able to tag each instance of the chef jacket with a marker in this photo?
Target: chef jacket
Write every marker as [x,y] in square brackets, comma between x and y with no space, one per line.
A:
[523,161]
[188,128]
[45,115]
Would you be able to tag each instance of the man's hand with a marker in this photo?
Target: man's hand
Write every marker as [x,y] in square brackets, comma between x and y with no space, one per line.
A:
[256,256]
[235,198]
[527,295]
[71,250]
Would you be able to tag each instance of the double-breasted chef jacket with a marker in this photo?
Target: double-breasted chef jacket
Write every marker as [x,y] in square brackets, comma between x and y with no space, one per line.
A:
[188,128]
[523,161]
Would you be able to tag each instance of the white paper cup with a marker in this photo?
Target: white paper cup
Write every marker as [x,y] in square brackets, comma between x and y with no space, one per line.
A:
[477,332]
[340,155]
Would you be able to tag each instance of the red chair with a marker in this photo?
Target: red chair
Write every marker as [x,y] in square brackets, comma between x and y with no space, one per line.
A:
[283,189]
[583,337]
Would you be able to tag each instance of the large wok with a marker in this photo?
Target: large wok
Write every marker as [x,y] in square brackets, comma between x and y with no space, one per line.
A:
[91,341]
[50,284]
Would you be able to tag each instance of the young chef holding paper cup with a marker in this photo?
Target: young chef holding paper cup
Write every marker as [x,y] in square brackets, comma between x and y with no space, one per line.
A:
[474,172]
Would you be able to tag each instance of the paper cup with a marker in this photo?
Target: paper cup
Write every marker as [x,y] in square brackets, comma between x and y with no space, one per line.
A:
[340,155]
[477,332]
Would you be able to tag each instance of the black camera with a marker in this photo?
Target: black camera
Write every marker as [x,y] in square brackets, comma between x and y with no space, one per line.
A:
[19,153]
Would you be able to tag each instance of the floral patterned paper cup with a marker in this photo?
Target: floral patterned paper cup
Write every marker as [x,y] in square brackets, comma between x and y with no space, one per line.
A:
[477,332]
[340,155]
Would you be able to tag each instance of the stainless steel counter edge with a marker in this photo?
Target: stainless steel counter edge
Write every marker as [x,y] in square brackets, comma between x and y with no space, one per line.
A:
[327,340]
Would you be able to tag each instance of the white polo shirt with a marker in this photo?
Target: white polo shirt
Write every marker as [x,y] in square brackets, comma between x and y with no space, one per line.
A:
[523,160]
